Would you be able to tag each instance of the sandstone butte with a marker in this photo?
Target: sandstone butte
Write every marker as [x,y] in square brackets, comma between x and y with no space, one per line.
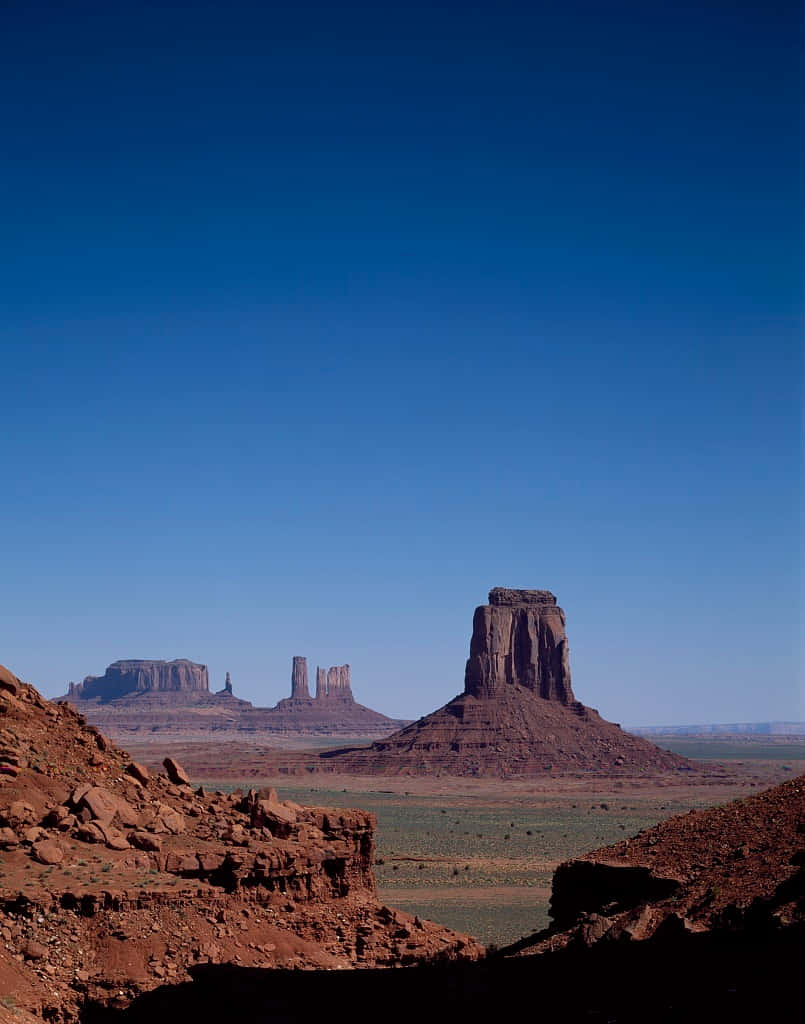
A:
[517,716]
[133,897]
[140,697]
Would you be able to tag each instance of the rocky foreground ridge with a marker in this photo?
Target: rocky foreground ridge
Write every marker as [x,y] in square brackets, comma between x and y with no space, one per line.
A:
[699,919]
[517,715]
[737,869]
[116,880]
[144,697]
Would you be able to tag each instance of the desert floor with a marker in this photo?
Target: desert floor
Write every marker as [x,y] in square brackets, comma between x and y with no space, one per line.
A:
[478,854]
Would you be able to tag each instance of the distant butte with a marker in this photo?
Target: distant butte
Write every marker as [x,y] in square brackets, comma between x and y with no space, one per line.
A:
[517,715]
[142,696]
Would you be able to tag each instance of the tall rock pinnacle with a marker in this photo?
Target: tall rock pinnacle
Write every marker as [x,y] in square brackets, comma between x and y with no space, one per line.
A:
[321,683]
[518,639]
[299,688]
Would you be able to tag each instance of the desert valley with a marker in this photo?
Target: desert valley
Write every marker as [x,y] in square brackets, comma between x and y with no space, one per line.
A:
[257,865]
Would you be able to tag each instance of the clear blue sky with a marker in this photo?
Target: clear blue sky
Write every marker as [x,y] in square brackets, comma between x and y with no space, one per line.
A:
[320,320]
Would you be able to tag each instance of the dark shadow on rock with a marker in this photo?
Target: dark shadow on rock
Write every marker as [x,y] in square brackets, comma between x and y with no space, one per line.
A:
[695,979]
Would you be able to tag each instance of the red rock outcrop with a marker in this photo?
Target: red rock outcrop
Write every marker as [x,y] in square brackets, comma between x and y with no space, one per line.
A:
[116,880]
[517,715]
[739,868]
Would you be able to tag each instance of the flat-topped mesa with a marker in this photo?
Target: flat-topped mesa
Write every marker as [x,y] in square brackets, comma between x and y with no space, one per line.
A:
[518,639]
[338,683]
[299,687]
[143,676]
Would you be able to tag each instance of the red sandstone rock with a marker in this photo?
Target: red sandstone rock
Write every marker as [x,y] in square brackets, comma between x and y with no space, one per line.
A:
[296,899]
[517,715]
[299,686]
[519,639]
[176,773]
[145,841]
[139,772]
[141,676]
[735,868]
[48,851]
[8,838]
[8,681]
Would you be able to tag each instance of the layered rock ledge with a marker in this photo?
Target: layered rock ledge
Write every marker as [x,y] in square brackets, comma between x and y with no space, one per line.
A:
[117,879]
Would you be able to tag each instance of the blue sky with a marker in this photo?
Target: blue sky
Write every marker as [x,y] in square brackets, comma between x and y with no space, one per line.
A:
[318,323]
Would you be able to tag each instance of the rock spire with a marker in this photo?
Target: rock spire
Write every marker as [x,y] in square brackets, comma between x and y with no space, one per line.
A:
[299,687]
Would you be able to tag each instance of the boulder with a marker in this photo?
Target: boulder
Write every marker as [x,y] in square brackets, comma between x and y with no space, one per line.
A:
[9,682]
[168,820]
[48,851]
[139,772]
[106,806]
[8,838]
[145,841]
[176,773]
[33,950]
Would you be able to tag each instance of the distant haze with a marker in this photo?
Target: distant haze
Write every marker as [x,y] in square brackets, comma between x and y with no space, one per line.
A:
[735,728]
[321,320]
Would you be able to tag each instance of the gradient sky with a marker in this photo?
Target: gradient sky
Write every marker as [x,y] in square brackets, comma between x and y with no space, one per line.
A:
[320,320]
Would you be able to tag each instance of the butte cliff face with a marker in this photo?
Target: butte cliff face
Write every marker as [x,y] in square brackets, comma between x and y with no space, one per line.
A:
[517,714]
[142,676]
[518,639]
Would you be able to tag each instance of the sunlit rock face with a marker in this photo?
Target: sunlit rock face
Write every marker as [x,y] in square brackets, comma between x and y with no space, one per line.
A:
[518,639]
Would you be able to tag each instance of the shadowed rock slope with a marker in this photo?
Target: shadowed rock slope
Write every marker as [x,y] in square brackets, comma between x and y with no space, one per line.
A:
[738,869]
[699,919]
[518,714]
[114,880]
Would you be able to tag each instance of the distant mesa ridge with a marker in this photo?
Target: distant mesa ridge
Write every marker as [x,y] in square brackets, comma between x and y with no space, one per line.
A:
[143,676]
[175,696]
